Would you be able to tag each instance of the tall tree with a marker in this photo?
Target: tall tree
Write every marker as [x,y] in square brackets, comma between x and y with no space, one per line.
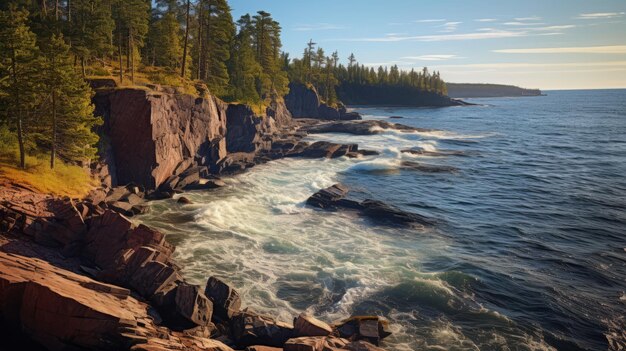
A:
[19,66]
[71,118]
[216,33]
[244,70]
[90,29]
[131,25]
[185,41]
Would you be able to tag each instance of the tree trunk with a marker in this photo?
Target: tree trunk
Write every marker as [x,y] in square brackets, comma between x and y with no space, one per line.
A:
[56,10]
[82,66]
[20,136]
[69,11]
[53,145]
[119,50]
[128,51]
[132,58]
[184,61]
[200,24]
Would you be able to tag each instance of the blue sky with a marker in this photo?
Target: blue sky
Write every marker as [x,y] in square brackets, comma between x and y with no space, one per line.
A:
[548,44]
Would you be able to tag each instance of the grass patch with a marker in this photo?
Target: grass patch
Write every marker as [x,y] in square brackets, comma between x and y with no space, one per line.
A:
[64,180]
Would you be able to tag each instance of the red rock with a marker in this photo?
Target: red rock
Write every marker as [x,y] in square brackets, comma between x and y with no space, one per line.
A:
[307,325]
[306,343]
[193,305]
[249,328]
[262,348]
[362,346]
[226,300]
[368,328]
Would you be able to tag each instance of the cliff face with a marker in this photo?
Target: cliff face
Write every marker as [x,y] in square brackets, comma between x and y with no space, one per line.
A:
[151,136]
[305,102]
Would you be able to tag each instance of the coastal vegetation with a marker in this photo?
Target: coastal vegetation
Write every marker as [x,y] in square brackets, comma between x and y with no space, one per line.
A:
[51,49]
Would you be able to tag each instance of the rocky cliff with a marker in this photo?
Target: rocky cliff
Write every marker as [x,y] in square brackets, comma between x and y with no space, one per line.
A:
[150,136]
[304,102]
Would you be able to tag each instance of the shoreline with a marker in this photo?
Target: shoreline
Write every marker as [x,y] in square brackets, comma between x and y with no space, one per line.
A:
[71,228]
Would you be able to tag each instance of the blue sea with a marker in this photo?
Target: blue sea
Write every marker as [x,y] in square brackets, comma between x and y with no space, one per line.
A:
[528,251]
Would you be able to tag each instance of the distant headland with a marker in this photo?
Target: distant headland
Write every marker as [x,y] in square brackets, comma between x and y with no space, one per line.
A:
[480,90]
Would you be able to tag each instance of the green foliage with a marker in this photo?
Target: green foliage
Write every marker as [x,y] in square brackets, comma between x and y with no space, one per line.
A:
[90,29]
[216,31]
[19,66]
[69,115]
[165,47]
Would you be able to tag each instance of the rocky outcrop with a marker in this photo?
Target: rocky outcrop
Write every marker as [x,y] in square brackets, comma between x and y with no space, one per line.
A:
[369,127]
[134,298]
[151,134]
[61,310]
[149,137]
[304,102]
[334,198]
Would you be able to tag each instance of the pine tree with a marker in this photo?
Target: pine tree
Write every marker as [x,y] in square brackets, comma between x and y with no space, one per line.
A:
[90,28]
[164,38]
[244,70]
[19,66]
[71,118]
[216,31]
[131,26]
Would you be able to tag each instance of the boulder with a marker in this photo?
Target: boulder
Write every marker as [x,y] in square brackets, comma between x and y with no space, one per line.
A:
[249,328]
[369,328]
[315,343]
[246,130]
[325,149]
[263,348]
[193,305]
[184,200]
[306,343]
[65,311]
[307,325]
[361,345]
[328,197]
[226,300]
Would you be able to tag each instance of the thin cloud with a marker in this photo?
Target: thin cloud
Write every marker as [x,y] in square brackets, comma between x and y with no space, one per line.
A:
[485,20]
[430,20]
[611,49]
[430,57]
[449,27]
[496,34]
[600,15]
[505,65]
[318,26]
[517,23]
[533,18]
[551,28]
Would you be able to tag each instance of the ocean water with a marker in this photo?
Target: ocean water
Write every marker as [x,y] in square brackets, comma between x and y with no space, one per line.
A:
[528,251]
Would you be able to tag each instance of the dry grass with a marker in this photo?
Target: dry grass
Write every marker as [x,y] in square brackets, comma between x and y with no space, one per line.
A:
[63,180]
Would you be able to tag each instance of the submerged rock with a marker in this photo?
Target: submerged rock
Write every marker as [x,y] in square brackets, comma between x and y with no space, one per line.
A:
[333,197]
[369,127]
[430,168]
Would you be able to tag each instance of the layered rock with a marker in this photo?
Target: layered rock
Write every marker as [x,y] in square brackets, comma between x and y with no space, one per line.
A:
[61,310]
[304,102]
[151,136]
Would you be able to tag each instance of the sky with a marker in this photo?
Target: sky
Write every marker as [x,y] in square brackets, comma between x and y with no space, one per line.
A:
[545,44]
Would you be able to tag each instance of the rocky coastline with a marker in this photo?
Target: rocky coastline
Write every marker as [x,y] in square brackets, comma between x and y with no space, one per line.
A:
[78,274]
